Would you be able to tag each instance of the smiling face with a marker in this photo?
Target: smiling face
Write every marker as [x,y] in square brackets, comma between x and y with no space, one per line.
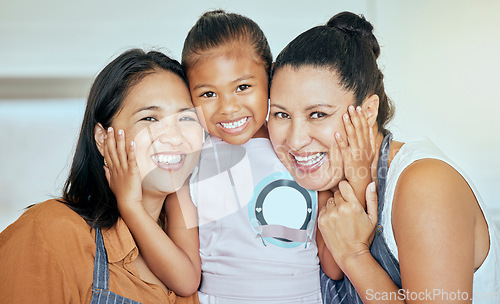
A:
[306,110]
[157,114]
[230,85]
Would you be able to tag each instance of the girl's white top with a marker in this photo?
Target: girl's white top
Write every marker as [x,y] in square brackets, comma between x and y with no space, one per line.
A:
[486,284]
[256,226]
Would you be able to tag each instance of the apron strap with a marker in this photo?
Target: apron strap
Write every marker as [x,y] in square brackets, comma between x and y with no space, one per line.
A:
[382,169]
[101,270]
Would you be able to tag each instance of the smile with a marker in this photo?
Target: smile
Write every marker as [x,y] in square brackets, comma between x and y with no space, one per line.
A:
[309,163]
[234,124]
[169,161]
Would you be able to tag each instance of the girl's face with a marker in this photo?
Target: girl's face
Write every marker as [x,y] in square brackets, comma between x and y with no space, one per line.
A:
[306,110]
[158,115]
[230,85]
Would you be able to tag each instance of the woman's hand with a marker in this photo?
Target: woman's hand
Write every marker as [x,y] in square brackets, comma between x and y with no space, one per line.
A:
[345,226]
[358,151]
[122,172]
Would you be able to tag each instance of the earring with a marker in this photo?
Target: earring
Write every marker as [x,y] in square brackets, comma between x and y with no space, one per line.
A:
[105,163]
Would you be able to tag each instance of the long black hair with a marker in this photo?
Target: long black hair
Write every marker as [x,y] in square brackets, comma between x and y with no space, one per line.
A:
[347,46]
[86,190]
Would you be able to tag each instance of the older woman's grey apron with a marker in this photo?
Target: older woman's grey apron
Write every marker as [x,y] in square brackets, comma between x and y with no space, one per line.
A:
[342,291]
[100,286]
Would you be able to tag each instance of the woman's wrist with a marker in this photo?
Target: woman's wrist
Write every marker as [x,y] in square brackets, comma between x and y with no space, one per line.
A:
[354,259]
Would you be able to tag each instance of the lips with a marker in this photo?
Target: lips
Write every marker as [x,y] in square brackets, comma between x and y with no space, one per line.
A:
[308,162]
[235,125]
[169,160]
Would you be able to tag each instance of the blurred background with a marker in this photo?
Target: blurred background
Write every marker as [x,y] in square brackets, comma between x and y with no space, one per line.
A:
[440,60]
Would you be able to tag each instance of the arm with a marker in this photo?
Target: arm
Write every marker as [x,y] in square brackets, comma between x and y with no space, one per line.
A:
[328,264]
[172,257]
[434,230]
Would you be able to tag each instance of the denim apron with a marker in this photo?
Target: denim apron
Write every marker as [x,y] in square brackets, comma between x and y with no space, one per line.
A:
[100,286]
[342,291]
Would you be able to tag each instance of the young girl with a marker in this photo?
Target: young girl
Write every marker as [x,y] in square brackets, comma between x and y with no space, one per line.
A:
[256,225]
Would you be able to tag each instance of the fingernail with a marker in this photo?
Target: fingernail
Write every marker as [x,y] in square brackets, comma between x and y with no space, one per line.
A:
[346,117]
[358,109]
[132,144]
[105,136]
[372,187]
[110,129]
[351,108]
[120,132]
[337,135]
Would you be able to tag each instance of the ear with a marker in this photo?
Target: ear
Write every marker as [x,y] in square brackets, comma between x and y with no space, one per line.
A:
[370,108]
[99,134]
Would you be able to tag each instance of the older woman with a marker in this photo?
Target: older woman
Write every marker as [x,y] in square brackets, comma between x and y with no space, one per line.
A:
[78,249]
[433,241]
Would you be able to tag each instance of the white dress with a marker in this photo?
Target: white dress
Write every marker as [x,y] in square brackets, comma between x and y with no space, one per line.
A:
[256,226]
[486,284]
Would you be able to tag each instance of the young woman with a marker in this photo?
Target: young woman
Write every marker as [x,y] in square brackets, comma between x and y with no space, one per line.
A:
[78,249]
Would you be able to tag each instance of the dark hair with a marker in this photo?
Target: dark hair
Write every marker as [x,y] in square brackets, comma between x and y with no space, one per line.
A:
[347,46]
[218,28]
[86,190]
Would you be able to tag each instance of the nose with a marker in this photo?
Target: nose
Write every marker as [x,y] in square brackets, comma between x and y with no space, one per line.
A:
[228,104]
[298,136]
[167,133]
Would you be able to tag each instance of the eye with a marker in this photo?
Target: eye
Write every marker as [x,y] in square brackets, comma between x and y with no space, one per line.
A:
[281,115]
[149,118]
[242,87]
[188,118]
[208,94]
[318,114]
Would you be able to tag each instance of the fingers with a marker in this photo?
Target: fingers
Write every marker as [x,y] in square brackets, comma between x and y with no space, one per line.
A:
[116,152]
[347,192]
[120,149]
[132,164]
[372,202]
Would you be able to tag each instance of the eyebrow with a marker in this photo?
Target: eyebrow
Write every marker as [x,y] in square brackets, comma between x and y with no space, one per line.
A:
[242,78]
[187,109]
[308,108]
[148,108]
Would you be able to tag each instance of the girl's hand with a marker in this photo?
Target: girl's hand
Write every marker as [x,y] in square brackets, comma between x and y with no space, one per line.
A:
[358,151]
[346,228]
[121,171]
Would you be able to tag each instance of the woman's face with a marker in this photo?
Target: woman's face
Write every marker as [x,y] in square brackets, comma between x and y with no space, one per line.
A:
[157,114]
[306,110]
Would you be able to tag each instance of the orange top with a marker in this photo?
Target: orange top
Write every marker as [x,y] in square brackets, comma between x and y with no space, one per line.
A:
[47,256]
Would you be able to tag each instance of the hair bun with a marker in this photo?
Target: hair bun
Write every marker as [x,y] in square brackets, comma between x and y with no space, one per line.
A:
[356,26]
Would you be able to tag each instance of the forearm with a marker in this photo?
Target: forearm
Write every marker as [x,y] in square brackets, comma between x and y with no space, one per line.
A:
[165,259]
[370,280]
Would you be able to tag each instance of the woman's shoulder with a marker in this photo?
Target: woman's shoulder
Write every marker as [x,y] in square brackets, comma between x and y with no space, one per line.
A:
[52,220]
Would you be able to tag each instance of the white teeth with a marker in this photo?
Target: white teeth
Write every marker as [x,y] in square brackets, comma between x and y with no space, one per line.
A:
[235,124]
[167,159]
[309,160]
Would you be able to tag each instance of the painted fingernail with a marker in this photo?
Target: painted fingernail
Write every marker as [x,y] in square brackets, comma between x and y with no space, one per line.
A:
[120,132]
[346,117]
[358,109]
[110,129]
[351,108]
[372,187]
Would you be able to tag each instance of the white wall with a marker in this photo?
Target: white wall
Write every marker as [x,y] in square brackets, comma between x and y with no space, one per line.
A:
[439,59]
